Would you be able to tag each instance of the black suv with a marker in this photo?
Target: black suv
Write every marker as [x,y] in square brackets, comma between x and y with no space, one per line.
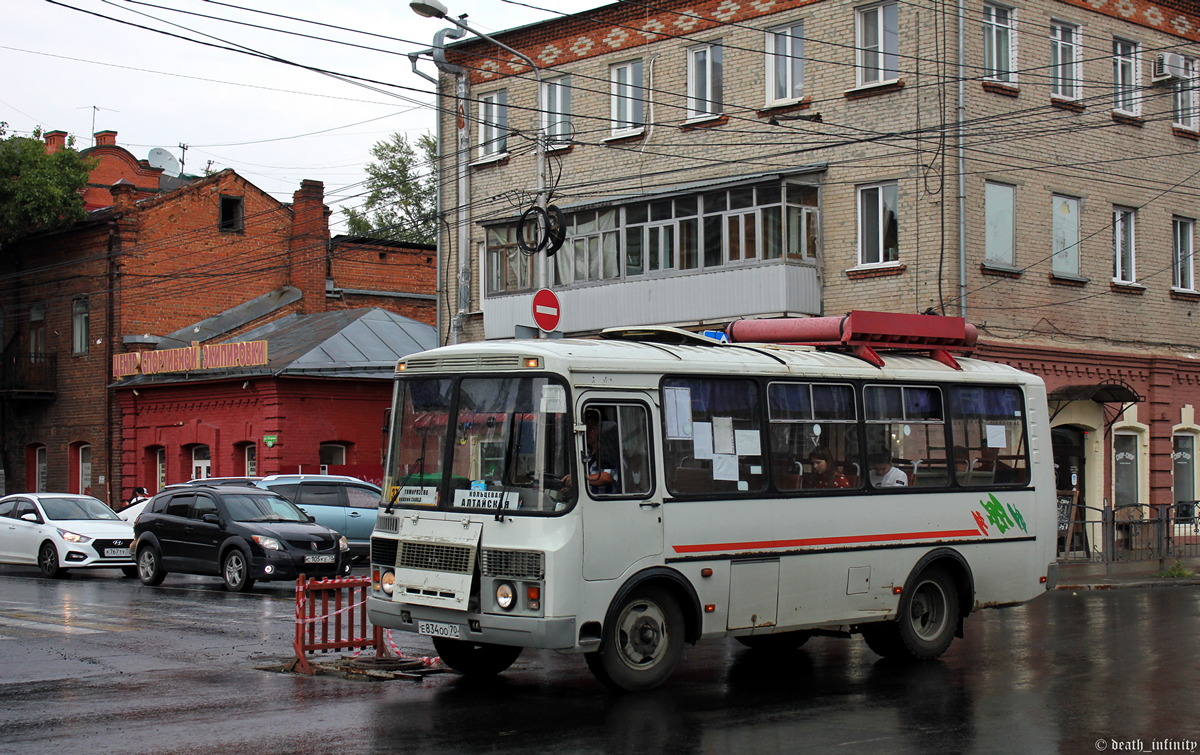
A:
[239,533]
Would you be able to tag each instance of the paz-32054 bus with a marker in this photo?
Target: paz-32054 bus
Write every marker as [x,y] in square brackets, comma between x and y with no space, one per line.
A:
[620,497]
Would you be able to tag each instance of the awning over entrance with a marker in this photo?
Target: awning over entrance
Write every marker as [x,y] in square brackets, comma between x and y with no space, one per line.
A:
[1115,395]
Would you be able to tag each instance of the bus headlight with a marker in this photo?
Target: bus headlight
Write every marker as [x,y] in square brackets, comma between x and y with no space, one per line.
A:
[387,582]
[505,595]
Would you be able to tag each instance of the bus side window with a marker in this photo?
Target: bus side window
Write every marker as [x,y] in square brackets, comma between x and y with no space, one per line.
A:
[622,450]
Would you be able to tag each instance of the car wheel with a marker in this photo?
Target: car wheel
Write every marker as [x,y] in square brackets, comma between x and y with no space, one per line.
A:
[48,561]
[475,658]
[149,566]
[643,645]
[235,570]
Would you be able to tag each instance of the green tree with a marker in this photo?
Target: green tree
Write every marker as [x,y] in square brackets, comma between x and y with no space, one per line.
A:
[402,198]
[38,192]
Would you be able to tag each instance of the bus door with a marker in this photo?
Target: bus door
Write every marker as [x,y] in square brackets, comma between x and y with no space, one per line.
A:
[620,503]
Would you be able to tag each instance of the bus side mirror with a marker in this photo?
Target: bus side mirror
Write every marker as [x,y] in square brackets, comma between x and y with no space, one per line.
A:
[387,420]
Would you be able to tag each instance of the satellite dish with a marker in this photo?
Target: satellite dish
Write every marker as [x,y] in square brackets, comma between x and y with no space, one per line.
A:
[160,158]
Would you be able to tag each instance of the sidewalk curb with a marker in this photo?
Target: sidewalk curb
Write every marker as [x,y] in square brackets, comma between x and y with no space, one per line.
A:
[1162,582]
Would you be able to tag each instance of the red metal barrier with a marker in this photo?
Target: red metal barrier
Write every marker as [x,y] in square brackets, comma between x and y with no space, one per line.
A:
[331,614]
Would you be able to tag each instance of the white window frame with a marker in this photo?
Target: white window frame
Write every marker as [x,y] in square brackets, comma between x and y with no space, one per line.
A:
[557,128]
[250,456]
[1184,108]
[627,108]
[1183,233]
[1065,238]
[1000,224]
[1132,434]
[878,48]
[85,469]
[1124,247]
[785,64]
[493,124]
[332,454]
[705,80]
[1189,462]
[874,201]
[80,325]
[1064,60]
[1127,72]
[999,43]
[41,463]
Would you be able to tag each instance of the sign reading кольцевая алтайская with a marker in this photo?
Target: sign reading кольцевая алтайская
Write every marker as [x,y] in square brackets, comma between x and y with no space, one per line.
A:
[194,357]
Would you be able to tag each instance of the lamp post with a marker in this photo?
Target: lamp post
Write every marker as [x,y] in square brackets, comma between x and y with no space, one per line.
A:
[435,9]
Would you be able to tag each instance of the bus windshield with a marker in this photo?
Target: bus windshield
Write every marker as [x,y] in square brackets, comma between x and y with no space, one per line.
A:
[496,443]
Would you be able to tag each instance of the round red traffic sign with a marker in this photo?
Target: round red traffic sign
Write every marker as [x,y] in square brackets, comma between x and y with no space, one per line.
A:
[546,310]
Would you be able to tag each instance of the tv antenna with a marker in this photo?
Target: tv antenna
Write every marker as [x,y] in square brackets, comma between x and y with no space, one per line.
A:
[95,109]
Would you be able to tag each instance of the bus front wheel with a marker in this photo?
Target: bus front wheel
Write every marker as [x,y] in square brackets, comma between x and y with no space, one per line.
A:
[475,658]
[925,624]
[644,644]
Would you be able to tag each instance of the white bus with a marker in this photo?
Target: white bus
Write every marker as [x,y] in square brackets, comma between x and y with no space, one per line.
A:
[765,492]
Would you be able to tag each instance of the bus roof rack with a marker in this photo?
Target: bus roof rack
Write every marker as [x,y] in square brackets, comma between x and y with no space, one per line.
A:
[864,334]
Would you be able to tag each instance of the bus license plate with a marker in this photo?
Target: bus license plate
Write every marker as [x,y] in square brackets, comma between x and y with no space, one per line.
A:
[318,559]
[437,629]
[116,553]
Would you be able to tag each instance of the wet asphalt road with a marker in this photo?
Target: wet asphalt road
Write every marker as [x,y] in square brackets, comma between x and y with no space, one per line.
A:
[97,663]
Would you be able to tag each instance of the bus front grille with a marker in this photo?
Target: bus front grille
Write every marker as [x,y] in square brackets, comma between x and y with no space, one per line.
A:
[385,523]
[383,550]
[517,564]
[434,557]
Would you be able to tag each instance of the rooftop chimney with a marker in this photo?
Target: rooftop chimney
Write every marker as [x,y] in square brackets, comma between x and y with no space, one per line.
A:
[105,138]
[123,195]
[55,140]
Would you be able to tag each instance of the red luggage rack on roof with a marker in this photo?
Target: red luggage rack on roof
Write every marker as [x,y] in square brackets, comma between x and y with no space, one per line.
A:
[865,334]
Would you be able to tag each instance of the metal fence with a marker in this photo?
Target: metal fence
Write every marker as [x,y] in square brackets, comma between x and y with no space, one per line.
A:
[1139,532]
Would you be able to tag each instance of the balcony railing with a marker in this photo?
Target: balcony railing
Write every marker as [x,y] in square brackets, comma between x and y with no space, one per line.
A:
[24,375]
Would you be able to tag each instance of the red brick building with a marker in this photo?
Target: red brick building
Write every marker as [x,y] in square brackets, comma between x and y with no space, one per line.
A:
[200,264]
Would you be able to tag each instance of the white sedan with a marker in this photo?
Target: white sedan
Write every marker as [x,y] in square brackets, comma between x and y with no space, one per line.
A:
[59,531]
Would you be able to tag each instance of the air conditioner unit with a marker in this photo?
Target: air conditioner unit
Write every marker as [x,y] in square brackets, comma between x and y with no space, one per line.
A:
[1169,66]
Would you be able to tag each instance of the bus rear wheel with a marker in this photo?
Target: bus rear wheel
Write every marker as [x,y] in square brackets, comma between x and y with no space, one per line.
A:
[925,624]
[644,644]
[475,658]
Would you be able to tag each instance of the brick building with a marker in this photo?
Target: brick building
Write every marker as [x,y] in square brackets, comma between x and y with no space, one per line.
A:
[1028,164]
[97,321]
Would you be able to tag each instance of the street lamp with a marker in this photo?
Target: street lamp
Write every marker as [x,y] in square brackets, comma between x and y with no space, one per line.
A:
[435,9]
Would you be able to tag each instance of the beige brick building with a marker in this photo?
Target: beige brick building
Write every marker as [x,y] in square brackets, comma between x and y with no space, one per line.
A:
[1030,165]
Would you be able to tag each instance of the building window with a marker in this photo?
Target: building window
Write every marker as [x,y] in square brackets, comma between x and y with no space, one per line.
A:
[160,467]
[628,104]
[878,225]
[201,462]
[704,80]
[509,269]
[1126,478]
[999,43]
[878,44]
[37,329]
[232,214]
[80,318]
[999,236]
[331,454]
[1183,458]
[1064,258]
[1185,270]
[785,64]
[1125,77]
[1183,97]
[251,459]
[41,468]
[592,250]
[493,123]
[1124,270]
[556,110]
[1064,60]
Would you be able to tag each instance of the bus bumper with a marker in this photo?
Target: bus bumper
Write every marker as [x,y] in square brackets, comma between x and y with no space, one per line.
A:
[520,631]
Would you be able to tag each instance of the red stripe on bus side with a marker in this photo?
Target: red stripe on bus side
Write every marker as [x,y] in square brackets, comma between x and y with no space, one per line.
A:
[823,541]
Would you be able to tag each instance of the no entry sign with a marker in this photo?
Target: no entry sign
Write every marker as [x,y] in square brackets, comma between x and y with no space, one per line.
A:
[546,310]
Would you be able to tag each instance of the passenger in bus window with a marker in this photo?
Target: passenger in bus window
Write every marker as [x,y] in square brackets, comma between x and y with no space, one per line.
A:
[883,474]
[825,474]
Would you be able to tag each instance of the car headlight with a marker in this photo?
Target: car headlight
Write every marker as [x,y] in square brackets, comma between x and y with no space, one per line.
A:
[73,537]
[268,543]
[343,544]
[505,595]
